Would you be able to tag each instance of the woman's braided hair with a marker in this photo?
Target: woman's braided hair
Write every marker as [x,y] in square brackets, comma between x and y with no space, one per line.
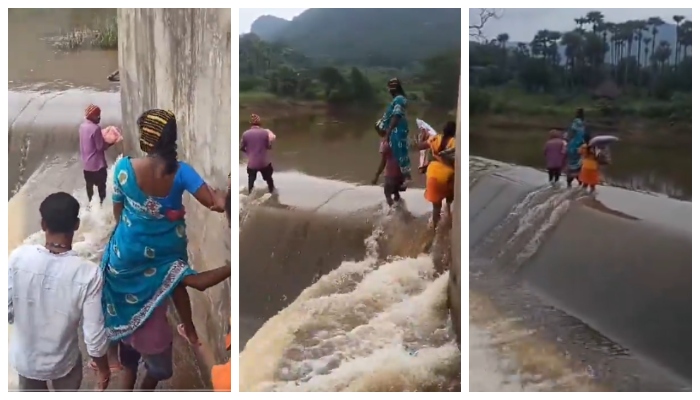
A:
[158,136]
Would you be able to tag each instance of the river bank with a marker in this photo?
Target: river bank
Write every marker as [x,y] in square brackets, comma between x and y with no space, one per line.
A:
[637,131]
[269,106]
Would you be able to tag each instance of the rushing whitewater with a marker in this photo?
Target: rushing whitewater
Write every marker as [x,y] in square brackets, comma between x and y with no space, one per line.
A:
[378,324]
[570,291]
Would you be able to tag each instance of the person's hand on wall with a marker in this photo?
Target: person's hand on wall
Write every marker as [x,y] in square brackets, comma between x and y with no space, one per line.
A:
[219,199]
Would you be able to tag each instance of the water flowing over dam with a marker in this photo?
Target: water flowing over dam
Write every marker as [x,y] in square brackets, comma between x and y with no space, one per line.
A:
[597,289]
[160,63]
[338,294]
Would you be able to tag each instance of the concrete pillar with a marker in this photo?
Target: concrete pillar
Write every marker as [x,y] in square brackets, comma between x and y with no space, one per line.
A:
[455,297]
[180,59]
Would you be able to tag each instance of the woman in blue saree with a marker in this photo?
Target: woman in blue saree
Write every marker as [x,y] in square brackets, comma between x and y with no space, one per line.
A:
[573,158]
[395,125]
[146,262]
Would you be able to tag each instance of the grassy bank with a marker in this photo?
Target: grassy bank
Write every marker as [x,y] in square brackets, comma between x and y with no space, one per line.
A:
[639,131]
[267,105]
[100,35]
[515,102]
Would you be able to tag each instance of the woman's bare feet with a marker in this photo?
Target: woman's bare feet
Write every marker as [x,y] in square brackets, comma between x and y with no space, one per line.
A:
[188,334]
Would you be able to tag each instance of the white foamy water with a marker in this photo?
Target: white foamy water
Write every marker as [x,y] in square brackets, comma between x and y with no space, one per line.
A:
[365,326]
[490,371]
[505,356]
[96,225]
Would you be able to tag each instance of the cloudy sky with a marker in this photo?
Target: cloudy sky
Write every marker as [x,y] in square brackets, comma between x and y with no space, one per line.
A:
[248,15]
[523,23]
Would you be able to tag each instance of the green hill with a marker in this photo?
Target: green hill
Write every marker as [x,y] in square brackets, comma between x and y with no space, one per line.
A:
[369,37]
[268,26]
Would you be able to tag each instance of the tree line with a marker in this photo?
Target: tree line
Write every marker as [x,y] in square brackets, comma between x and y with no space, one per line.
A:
[285,72]
[607,58]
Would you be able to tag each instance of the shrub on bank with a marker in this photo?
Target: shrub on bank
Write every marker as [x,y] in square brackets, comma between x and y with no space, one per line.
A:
[102,36]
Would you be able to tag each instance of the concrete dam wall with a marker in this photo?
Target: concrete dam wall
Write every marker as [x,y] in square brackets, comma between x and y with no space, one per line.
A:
[455,285]
[620,262]
[180,59]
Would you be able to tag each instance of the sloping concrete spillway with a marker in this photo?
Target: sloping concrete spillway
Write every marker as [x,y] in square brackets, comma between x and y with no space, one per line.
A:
[620,262]
[337,292]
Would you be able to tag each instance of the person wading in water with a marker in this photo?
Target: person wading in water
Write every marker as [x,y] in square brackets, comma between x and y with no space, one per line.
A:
[146,262]
[256,144]
[395,126]
[576,140]
[440,174]
[53,292]
[92,153]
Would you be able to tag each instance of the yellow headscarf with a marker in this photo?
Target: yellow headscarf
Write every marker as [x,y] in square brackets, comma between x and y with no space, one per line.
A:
[152,124]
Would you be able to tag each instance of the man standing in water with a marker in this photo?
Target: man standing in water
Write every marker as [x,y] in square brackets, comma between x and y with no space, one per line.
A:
[256,144]
[50,290]
[92,153]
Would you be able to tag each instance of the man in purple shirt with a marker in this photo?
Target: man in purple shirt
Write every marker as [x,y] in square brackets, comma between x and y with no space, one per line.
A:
[256,144]
[92,153]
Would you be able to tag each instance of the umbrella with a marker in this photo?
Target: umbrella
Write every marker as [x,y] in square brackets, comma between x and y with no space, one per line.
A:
[603,140]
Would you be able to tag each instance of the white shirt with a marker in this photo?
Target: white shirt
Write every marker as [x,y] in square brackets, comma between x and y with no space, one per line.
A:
[48,295]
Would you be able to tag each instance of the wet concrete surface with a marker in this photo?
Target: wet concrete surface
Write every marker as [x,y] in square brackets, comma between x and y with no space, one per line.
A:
[609,281]
[43,128]
[298,190]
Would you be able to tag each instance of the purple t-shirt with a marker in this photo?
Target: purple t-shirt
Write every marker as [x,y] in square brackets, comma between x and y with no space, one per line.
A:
[255,143]
[92,146]
[555,153]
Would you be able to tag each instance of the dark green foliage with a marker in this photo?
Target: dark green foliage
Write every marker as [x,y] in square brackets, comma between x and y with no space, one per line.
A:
[614,62]
[366,37]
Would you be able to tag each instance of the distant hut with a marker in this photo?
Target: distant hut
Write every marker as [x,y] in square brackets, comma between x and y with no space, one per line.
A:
[607,90]
[605,94]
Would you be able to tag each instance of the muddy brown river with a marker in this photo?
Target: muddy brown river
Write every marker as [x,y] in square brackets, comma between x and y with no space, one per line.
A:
[638,164]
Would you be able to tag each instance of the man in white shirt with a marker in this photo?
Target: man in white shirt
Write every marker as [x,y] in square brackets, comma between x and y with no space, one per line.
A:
[50,289]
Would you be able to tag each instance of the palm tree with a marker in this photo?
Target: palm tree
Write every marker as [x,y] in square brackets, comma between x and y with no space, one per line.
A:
[522,47]
[608,29]
[654,23]
[678,19]
[627,33]
[686,37]
[647,40]
[573,43]
[640,27]
[663,53]
[553,49]
[595,18]
[502,39]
